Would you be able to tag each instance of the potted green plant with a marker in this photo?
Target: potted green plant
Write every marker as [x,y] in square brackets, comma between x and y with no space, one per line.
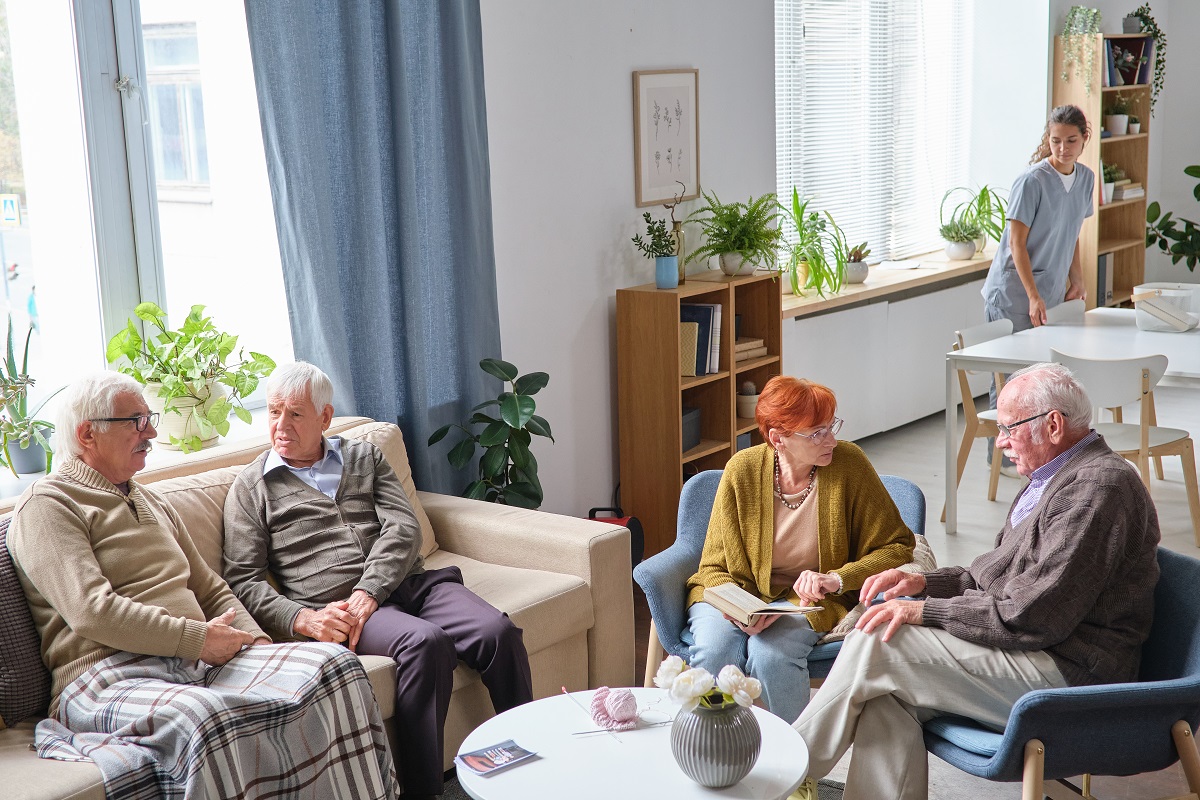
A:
[508,471]
[747,399]
[960,236]
[1147,24]
[1181,243]
[22,435]
[856,263]
[742,235]
[1078,41]
[192,375]
[1135,124]
[816,252]
[661,247]
[1109,175]
[985,207]
[1116,116]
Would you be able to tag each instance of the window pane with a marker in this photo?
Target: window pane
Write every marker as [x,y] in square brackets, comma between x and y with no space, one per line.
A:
[217,228]
[49,256]
[165,112]
[170,47]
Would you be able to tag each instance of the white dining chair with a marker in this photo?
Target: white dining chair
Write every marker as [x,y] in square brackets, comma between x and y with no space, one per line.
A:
[1068,313]
[1112,383]
[979,424]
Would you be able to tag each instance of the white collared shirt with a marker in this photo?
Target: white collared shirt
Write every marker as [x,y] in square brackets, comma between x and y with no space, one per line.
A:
[325,475]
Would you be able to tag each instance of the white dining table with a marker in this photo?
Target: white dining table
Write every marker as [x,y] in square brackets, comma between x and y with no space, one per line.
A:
[1104,333]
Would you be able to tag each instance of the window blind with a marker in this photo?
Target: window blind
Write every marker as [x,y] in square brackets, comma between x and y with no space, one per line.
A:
[872,114]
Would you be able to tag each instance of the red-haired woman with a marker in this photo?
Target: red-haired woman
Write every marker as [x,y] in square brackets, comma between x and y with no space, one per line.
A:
[802,518]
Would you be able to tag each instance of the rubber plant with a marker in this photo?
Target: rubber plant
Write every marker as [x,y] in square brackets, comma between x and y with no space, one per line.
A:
[1148,25]
[1180,241]
[508,470]
[1079,49]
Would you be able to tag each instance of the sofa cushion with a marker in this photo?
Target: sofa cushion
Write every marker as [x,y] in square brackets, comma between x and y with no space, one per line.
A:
[24,679]
[24,776]
[200,502]
[547,606]
[388,438]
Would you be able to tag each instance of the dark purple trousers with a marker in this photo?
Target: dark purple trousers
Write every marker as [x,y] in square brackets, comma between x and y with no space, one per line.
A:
[427,626]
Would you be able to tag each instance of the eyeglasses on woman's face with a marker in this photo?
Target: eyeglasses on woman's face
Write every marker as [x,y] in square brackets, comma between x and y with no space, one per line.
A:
[820,433]
[140,421]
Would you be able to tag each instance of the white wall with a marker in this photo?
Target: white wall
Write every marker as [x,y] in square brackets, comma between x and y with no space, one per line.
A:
[560,128]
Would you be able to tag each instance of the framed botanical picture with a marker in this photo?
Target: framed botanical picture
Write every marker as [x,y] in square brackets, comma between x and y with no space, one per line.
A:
[666,135]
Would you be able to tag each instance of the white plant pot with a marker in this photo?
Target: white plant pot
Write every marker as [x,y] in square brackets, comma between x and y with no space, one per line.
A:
[1107,192]
[735,264]
[746,403]
[856,272]
[1116,124]
[960,251]
[1135,127]
[180,424]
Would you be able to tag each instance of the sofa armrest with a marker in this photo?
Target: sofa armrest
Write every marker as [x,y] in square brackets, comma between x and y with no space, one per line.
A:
[596,552]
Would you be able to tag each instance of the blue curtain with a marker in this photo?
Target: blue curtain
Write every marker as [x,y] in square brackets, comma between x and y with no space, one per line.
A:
[375,130]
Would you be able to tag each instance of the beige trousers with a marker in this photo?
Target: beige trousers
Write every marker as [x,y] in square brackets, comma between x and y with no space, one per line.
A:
[879,693]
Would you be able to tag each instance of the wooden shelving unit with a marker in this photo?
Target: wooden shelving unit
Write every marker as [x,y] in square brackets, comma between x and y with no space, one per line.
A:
[1117,227]
[652,393]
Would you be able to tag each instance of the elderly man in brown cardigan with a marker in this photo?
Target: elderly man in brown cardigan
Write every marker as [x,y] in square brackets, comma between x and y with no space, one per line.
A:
[1064,599]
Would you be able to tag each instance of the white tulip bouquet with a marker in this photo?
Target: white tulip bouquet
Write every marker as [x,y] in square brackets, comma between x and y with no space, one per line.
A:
[693,686]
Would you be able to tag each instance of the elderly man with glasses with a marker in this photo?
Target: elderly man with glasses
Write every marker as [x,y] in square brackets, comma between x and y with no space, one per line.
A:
[801,519]
[160,676]
[1064,599]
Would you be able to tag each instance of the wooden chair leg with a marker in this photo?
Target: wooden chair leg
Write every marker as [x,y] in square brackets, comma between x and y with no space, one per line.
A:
[1158,470]
[1189,758]
[994,476]
[654,656]
[1193,489]
[1035,762]
[964,450]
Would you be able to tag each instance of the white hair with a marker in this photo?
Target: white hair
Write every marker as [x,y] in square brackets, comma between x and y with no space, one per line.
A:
[91,397]
[1054,387]
[297,379]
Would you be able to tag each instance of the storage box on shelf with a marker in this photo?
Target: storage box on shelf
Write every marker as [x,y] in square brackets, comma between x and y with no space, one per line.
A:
[1117,228]
[652,393]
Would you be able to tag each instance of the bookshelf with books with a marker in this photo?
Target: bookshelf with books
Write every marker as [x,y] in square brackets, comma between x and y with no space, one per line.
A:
[654,389]
[1112,241]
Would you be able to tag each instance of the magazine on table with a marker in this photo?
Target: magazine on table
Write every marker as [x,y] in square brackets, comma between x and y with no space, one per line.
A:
[731,599]
[491,759]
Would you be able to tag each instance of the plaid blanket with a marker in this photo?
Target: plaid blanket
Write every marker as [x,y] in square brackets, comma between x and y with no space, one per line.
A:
[287,720]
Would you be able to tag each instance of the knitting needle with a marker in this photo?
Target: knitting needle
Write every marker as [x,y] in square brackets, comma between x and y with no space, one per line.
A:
[585,711]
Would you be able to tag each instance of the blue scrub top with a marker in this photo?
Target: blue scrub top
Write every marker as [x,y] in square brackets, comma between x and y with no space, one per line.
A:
[1054,216]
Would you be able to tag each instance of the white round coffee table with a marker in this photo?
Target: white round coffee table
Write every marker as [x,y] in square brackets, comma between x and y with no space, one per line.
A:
[633,764]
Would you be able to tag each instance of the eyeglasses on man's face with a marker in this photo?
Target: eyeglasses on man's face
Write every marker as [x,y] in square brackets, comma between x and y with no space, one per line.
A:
[1007,430]
[140,421]
[820,433]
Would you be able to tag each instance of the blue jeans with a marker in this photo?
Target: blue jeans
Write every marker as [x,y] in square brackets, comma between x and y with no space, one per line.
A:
[778,656]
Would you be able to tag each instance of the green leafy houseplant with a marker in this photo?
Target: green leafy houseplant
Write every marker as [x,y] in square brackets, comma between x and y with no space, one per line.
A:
[1119,105]
[19,425]
[1112,173]
[960,231]
[985,207]
[1148,25]
[858,253]
[188,363]
[508,471]
[818,246]
[1180,241]
[660,244]
[1079,30]
[748,228]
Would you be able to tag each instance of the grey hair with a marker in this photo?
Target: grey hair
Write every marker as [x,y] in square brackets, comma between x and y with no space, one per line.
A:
[300,378]
[1053,386]
[89,397]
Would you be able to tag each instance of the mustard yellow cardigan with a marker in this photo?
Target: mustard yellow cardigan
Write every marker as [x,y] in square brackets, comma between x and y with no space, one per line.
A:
[860,530]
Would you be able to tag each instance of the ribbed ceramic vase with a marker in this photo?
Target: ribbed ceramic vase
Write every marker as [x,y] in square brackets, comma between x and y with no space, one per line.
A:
[716,747]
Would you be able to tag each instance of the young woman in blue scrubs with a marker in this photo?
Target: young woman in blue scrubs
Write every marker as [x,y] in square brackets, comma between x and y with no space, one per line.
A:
[1037,263]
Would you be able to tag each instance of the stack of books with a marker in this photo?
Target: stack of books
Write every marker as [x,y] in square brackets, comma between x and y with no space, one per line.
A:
[748,347]
[1128,190]
[707,317]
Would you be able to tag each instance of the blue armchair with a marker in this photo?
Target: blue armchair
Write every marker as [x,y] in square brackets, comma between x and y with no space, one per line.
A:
[1115,729]
[663,577]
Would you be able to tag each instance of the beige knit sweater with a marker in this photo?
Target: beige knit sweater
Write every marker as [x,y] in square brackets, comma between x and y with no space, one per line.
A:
[104,572]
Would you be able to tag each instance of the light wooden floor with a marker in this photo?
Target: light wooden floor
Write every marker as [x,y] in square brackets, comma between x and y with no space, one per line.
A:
[916,452]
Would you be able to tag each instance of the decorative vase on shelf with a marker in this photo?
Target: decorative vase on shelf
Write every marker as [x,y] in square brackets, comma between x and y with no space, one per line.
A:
[960,251]
[1131,25]
[1135,127]
[734,263]
[1118,78]
[666,272]
[677,237]
[716,747]
[746,404]
[1117,123]
[1107,192]
[856,271]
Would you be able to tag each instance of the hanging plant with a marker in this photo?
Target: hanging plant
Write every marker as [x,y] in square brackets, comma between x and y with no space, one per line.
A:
[1160,50]
[1079,49]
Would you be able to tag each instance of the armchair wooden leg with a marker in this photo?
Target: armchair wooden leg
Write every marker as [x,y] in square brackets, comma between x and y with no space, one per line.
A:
[654,656]
[1189,758]
[1035,762]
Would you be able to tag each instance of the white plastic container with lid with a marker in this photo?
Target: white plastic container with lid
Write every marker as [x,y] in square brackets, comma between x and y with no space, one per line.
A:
[1183,297]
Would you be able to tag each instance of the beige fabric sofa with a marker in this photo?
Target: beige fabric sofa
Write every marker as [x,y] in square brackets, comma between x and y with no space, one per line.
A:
[565,581]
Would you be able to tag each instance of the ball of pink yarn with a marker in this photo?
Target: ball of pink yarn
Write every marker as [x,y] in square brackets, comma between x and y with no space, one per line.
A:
[614,709]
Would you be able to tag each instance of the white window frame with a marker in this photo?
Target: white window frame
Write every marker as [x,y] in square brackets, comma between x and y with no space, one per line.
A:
[182,79]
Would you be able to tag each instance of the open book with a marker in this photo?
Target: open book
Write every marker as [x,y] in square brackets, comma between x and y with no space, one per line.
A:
[731,599]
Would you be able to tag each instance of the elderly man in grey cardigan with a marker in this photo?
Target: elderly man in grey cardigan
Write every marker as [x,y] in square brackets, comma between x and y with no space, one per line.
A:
[1064,599]
[329,520]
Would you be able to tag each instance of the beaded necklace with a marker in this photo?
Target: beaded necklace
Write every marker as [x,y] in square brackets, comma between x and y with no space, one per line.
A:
[812,475]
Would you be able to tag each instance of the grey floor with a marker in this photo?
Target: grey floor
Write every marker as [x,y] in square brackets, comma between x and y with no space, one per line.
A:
[916,452]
